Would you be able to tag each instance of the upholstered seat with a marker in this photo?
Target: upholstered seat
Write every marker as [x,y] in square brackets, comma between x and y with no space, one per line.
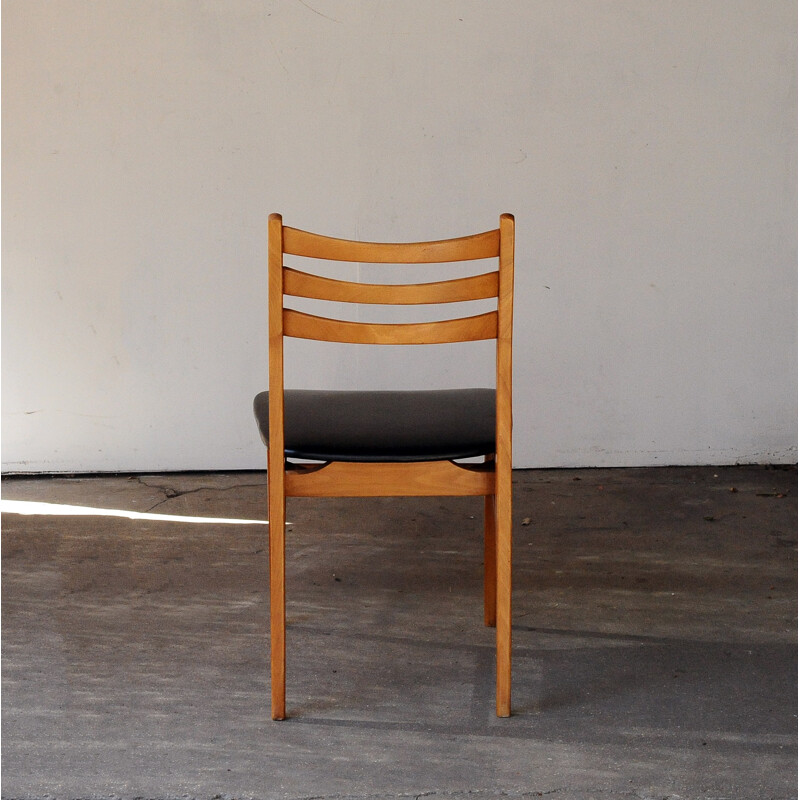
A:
[371,426]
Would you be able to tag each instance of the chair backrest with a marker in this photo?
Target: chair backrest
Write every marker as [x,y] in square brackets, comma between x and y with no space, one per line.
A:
[496,324]
[284,280]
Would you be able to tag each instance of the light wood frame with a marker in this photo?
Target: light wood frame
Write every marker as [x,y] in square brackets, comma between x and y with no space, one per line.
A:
[491,480]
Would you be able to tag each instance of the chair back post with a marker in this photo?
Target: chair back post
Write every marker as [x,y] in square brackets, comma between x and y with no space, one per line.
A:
[275,470]
[505,322]
[275,312]
[503,518]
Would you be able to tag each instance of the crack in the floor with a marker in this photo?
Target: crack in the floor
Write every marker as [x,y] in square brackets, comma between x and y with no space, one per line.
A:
[455,794]
[477,794]
[463,794]
[171,493]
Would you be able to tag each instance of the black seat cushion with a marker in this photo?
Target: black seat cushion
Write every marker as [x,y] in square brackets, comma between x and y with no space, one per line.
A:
[384,426]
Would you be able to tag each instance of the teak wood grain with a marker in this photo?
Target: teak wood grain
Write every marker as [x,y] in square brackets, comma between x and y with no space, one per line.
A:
[464,329]
[317,287]
[392,479]
[491,480]
[503,418]
[465,248]
[276,508]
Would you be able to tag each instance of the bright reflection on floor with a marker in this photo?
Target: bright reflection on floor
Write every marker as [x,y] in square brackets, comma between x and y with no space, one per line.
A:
[56,509]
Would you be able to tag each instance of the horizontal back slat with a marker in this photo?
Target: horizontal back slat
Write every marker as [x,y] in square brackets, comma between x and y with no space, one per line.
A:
[465,329]
[476,287]
[466,248]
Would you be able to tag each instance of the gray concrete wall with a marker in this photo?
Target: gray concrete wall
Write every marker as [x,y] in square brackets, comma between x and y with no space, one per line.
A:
[647,149]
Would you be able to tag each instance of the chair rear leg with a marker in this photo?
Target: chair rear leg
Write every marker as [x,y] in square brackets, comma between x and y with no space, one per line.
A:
[277,595]
[489,562]
[503,534]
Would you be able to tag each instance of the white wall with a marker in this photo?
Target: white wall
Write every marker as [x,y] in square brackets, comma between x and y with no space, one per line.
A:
[647,148]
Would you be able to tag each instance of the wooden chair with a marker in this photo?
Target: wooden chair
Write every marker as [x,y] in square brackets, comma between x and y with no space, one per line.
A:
[368,442]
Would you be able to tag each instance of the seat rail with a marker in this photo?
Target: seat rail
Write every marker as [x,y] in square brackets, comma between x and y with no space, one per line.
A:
[419,479]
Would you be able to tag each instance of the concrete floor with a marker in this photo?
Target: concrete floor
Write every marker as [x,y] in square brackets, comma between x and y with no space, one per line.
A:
[654,642]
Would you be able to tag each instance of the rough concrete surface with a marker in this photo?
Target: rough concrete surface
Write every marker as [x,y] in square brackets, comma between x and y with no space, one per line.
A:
[654,642]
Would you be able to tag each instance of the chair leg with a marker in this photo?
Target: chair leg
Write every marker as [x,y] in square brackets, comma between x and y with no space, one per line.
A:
[503,533]
[277,595]
[489,562]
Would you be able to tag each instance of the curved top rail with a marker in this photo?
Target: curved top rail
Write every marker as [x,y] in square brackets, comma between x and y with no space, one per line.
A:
[465,248]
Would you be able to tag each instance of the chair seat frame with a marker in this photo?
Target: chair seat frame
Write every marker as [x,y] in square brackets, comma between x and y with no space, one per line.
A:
[491,479]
